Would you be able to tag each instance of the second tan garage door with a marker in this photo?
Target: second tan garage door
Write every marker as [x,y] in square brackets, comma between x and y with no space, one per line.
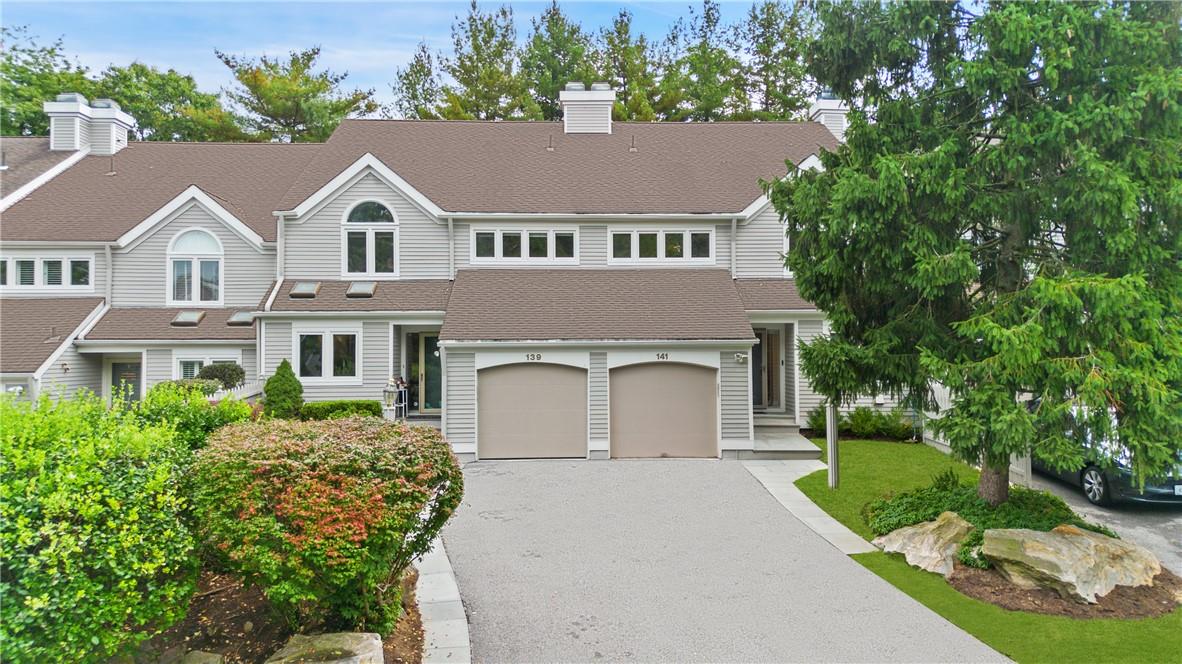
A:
[531,411]
[664,410]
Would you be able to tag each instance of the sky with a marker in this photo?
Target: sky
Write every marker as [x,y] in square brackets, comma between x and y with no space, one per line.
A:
[366,39]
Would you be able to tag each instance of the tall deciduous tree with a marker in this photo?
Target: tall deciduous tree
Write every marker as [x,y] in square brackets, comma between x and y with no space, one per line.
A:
[557,53]
[483,67]
[625,62]
[289,100]
[1005,219]
[773,38]
[167,105]
[417,91]
[30,75]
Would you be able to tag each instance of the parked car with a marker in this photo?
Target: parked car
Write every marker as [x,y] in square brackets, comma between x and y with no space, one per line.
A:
[1105,486]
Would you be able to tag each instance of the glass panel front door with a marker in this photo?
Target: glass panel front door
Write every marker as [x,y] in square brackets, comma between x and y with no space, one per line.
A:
[432,376]
[125,380]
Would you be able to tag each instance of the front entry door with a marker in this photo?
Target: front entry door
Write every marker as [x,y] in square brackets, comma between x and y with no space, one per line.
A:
[125,380]
[424,371]
[765,369]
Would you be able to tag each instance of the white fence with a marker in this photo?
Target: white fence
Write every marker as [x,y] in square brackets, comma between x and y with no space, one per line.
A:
[1020,472]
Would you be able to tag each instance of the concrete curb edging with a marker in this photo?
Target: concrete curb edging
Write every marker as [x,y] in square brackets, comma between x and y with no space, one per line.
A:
[779,478]
[445,624]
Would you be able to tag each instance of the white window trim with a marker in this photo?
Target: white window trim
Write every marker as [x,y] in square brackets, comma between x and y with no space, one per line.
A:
[195,261]
[206,357]
[369,230]
[326,332]
[660,259]
[524,259]
[39,286]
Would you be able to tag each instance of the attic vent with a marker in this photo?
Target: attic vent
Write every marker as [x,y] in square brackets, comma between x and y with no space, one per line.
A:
[240,318]
[188,318]
[361,289]
[304,289]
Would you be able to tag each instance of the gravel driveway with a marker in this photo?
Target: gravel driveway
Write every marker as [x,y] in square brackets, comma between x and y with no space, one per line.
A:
[668,560]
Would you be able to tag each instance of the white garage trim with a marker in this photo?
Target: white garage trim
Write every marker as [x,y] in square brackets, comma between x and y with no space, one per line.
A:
[496,358]
[706,358]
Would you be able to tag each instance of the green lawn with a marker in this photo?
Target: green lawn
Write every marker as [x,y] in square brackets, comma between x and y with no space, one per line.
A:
[870,469]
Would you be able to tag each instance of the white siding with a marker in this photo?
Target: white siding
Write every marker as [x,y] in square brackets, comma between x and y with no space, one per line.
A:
[313,244]
[593,245]
[375,360]
[598,400]
[141,273]
[759,245]
[459,418]
[63,133]
[158,366]
[85,372]
[83,133]
[736,401]
[276,345]
[249,362]
[101,138]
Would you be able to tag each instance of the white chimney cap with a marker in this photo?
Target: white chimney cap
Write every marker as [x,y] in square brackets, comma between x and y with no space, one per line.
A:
[575,85]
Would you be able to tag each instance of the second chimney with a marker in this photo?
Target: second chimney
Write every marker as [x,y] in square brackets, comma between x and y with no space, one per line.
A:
[587,111]
[76,124]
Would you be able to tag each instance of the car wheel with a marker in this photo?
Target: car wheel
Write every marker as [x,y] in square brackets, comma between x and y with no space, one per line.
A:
[1095,486]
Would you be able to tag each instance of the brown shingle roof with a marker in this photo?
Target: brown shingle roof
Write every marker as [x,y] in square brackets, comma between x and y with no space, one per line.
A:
[85,203]
[31,329]
[26,158]
[153,323]
[771,295]
[506,167]
[583,304]
[404,295]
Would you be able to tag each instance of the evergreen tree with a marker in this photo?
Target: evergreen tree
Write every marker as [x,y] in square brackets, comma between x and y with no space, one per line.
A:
[701,79]
[288,100]
[625,63]
[416,87]
[773,39]
[1009,225]
[557,53]
[483,68]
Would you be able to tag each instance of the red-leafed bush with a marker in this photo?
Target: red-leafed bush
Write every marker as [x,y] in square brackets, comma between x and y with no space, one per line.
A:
[325,516]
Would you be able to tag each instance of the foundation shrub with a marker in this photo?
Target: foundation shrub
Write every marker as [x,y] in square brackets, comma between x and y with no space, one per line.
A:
[97,554]
[325,516]
[228,374]
[188,409]
[207,385]
[283,394]
[330,410]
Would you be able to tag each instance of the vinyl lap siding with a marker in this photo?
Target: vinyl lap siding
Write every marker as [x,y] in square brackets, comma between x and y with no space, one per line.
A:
[85,373]
[64,132]
[249,362]
[158,366]
[598,400]
[459,418]
[276,346]
[736,402]
[759,246]
[313,244]
[593,245]
[101,138]
[142,274]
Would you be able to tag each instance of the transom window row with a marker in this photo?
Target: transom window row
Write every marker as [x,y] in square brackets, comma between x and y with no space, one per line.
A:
[673,245]
[523,245]
[45,272]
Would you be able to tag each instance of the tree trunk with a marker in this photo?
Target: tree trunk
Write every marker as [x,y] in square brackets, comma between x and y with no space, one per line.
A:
[994,485]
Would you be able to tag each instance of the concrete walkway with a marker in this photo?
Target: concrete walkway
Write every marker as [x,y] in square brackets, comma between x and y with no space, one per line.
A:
[779,478]
[445,624]
[668,560]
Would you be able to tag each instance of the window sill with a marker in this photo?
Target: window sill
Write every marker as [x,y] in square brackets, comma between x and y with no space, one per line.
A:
[336,382]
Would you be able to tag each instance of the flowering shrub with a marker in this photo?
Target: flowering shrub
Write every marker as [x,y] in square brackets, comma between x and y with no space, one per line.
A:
[188,409]
[96,553]
[325,516]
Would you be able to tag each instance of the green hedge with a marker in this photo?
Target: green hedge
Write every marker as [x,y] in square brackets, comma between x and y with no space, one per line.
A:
[330,410]
[865,422]
[97,554]
[228,374]
[207,385]
[187,408]
[325,516]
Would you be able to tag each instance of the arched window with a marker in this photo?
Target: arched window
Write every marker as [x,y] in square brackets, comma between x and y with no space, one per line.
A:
[369,241]
[195,269]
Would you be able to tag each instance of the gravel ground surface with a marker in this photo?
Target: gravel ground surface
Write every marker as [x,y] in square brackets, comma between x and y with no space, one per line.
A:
[668,560]
[1155,527]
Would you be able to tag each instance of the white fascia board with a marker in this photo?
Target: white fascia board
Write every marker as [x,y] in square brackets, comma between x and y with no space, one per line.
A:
[35,183]
[124,345]
[599,343]
[403,317]
[74,108]
[85,325]
[784,316]
[192,194]
[809,163]
[367,161]
[593,216]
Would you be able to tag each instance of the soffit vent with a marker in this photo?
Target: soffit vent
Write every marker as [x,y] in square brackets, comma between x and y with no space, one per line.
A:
[241,318]
[304,290]
[361,289]
[188,318]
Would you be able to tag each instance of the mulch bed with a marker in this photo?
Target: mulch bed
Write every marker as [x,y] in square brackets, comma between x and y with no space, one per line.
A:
[990,586]
[239,623]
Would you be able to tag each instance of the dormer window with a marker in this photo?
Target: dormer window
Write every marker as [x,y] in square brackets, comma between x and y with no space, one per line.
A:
[369,241]
[195,269]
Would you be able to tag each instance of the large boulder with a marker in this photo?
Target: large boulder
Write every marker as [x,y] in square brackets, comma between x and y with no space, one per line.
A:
[930,545]
[1078,564]
[332,648]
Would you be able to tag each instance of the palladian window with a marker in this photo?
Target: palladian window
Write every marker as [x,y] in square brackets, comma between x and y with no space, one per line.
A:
[195,269]
[370,241]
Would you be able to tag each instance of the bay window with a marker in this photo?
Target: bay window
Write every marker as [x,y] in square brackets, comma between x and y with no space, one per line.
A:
[370,241]
[195,269]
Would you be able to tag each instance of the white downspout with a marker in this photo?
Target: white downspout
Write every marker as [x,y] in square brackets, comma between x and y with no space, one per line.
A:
[109,287]
[734,225]
[451,250]
[280,254]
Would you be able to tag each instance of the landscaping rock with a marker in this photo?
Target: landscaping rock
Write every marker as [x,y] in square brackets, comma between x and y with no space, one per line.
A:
[930,545]
[1078,564]
[333,648]
[202,657]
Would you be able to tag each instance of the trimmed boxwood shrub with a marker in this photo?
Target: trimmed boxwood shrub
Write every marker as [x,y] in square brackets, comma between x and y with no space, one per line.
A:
[97,556]
[325,516]
[206,385]
[1026,508]
[329,410]
[188,409]
[228,374]
[865,422]
[283,394]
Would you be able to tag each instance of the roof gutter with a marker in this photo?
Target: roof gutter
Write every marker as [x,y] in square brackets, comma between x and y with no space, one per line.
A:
[711,343]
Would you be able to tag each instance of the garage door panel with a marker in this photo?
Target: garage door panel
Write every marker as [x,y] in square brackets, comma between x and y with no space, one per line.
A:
[664,410]
[532,411]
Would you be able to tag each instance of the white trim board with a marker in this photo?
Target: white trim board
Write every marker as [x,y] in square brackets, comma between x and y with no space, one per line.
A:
[179,204]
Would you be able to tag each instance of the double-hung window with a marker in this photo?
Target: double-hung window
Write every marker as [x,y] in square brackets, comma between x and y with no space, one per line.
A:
[189,366]
[369,241]
[505,245]
[667,246]
[49,273]
[195,269]
[327,355]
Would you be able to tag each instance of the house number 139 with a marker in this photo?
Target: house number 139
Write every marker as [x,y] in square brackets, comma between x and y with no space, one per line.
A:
[533,357]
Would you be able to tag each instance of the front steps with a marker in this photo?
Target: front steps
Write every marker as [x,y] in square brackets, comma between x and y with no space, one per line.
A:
[777,438]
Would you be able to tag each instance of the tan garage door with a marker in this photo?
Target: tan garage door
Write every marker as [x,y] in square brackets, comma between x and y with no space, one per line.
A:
[664,410]
[531,411]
